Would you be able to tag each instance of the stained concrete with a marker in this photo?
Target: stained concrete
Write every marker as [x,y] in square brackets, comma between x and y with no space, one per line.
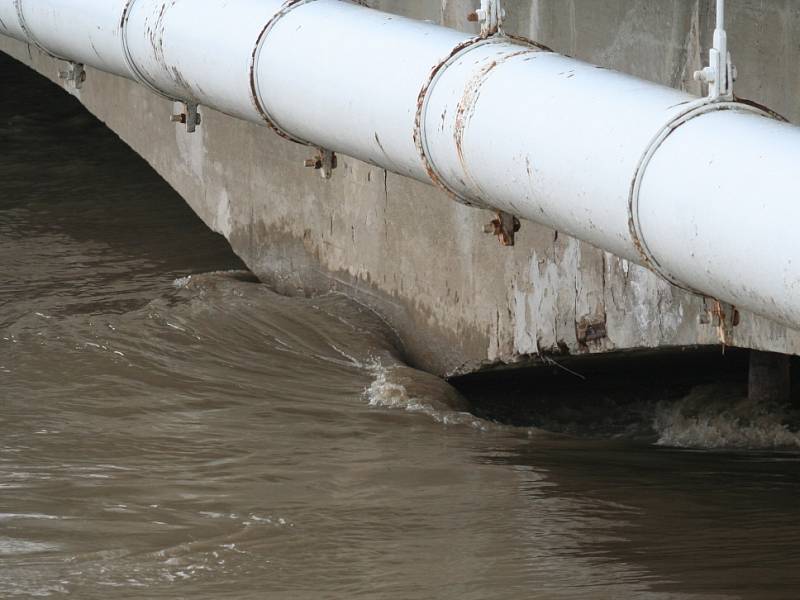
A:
[459,300]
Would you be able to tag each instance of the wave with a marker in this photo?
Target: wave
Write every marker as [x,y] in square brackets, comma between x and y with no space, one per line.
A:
[711,417]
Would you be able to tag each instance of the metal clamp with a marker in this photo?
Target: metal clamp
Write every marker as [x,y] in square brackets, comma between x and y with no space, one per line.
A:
[23,23]
[325,160]
[720,74]
[503,226]
[691,111]
[75,74]
[420,121]
[136,72]
[32,39]
[255,94]
[189,117]
[490,15]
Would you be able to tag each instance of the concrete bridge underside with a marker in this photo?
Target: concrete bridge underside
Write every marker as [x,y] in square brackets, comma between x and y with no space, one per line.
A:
[458,300]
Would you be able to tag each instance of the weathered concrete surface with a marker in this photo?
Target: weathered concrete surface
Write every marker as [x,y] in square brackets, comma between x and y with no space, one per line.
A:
[458,300]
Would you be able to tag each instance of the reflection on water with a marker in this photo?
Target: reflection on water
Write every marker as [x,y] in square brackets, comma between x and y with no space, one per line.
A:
[170,428]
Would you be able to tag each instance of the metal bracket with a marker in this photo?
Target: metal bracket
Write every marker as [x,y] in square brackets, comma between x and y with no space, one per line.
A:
[505,227]
[490,15]
[324,161]
[189,117]
[720,74]
[75,74]
[725,317]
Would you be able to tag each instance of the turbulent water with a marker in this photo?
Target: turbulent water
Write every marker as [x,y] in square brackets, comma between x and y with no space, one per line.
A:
[171,428]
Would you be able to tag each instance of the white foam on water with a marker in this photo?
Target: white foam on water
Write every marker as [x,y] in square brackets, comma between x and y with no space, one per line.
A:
[12,546]
[182,282]
[387,390]
[8,516]
[401,387]
[709,418]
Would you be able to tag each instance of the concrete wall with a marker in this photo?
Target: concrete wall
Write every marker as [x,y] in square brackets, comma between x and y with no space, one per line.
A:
[457,298]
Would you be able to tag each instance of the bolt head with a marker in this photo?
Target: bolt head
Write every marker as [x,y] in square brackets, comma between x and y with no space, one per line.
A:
[707,75]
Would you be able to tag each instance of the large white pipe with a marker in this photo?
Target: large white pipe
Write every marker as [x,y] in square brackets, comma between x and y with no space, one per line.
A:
[704,194]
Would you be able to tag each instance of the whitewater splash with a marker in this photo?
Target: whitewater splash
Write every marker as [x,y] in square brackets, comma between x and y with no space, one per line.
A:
[709,417]
[713,418]
[400,387]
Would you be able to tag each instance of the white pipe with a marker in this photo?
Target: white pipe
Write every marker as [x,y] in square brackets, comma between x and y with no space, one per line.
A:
[632,167]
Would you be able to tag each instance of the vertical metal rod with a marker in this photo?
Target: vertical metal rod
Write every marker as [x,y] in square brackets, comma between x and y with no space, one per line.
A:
[720,72]
[721,45]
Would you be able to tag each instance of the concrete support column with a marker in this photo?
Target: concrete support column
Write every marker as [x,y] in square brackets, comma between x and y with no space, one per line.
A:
[769,378]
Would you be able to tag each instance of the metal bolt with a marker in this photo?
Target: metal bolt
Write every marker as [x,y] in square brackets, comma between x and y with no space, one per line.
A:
[182,118]
[490,15]
[324,161]
[706,75]
[189,117]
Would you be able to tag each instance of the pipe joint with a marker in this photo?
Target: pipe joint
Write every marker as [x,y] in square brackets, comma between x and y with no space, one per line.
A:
[255,89]
[691,111]
[26,29]
[325,160]
[138,74]
[421,134]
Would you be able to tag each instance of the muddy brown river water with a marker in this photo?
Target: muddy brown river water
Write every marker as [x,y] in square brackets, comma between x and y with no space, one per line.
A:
[171,428]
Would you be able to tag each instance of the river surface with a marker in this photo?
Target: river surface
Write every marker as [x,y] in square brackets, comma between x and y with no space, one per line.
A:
[171,428]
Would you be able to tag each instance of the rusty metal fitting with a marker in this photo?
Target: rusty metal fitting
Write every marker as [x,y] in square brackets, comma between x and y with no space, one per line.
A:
[74,74]
[189,117]
[324,161]
[722,316]
[505,227]
[490,15]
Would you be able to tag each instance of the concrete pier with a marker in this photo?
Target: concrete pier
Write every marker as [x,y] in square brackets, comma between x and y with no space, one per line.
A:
[459,300]
[770,377]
